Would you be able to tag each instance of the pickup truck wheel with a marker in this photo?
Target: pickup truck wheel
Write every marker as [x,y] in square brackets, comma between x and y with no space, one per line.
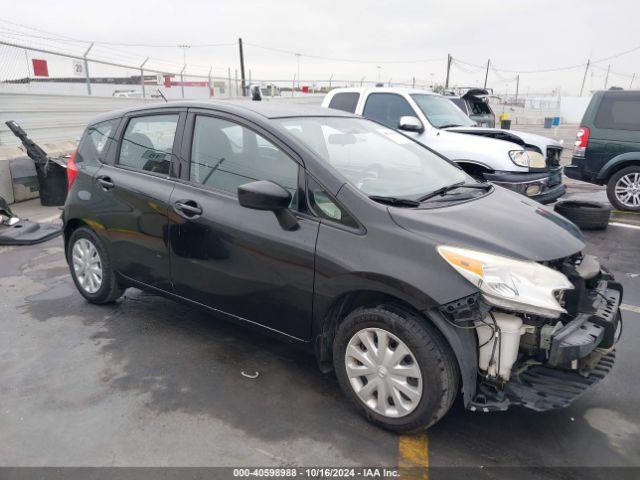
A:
[396,368]
[91,267]
[623,189]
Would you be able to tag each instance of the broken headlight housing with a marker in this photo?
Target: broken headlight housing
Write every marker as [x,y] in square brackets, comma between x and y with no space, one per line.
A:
[520,158]
[518,285]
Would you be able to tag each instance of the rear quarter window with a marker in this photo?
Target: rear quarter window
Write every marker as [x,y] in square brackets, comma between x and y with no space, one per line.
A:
[346,101]
[96,141]
[619,112]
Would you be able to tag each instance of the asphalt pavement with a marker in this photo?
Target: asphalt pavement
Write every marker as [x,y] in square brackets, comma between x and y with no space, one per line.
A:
[150,382]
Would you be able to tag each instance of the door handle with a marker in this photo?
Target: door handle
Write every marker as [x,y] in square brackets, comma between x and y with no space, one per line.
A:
[105,182]
[187,208]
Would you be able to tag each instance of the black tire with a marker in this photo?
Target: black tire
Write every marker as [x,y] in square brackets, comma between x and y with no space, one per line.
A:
[611,185]
[586,215]
[437,363]
[109,289]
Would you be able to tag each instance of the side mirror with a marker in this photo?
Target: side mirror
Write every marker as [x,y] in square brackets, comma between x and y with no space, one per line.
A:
[410,124]
[269,196]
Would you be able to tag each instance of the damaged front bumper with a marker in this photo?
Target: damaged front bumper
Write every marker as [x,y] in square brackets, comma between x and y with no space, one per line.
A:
[544,187]
[557,363]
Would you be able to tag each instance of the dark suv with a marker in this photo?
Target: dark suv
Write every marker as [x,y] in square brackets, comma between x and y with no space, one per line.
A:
[607,150]
[412,283]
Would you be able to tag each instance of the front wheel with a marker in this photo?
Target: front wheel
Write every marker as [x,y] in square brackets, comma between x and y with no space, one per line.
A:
[91,267]
[623,189]
[395,367]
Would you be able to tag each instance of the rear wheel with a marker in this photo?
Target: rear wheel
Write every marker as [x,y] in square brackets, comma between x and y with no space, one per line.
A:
[397,369]
[91,267]
[623,189]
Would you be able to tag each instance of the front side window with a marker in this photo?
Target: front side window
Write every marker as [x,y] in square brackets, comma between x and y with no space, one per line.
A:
[345,101]
[225,155]
[441,112]
[375,159]
[387,108]
[619,112]
[147,143]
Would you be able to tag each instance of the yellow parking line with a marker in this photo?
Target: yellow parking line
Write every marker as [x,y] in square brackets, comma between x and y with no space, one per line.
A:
[413,456]
[630,308]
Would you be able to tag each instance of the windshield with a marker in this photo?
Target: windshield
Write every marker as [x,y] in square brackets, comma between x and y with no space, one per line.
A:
[375,159]
[441,112]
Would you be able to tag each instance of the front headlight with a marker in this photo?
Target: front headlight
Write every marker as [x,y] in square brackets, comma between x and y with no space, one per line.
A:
[508,283]
[536,159]
[520,158]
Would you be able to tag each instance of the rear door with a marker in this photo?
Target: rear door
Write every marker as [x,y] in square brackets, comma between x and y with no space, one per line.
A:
[236,260]
[135,191]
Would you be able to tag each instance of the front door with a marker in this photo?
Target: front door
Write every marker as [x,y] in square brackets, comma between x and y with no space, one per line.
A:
[233,259]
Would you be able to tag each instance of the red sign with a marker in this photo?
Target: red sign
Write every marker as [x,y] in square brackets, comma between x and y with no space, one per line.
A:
[40,68]
[305,89]
[167,81]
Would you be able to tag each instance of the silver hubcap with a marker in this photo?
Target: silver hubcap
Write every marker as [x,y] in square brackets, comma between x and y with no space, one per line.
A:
[627,190]
[87,265]
[383,372]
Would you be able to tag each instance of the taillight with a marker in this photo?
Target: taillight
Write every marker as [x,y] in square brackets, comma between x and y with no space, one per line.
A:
[72,170]
[582,139]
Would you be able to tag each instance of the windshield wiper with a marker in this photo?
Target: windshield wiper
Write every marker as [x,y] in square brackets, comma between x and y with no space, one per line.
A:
[443,190]
[395,201]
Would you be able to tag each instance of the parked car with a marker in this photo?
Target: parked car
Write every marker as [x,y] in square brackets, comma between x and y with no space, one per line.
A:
[474,103]
[526,163]
[607,148]
[412,284]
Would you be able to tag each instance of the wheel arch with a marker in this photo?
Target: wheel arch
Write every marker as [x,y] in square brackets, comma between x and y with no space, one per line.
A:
[616,164]
[462,342]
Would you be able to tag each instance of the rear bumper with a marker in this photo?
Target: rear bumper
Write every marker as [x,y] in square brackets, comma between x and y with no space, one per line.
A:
[549,184]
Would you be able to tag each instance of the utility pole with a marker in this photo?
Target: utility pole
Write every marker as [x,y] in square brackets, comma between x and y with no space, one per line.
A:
[446,82]
[142,76]
[517,87]
[633,77]
[486,75]
[184,67]
[86,68]
[584,79]
[210,83]
[606,78]
[298,70]
[241,67]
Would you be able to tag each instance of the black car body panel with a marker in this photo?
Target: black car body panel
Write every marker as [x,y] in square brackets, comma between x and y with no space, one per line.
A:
[199,245]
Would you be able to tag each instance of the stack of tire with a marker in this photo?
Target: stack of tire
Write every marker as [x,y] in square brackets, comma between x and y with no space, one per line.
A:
[586,215]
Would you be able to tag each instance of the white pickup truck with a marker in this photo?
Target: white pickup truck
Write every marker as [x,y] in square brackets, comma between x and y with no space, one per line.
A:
[520,161]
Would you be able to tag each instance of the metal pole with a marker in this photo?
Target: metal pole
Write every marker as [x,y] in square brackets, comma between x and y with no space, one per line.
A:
[293,85]
[633,77]
[237,83]
[182,79]
[142,76]
[331,78]
[446,82]
[486,75]
[86,69]
[229,77]
[362,80]
[241,68]
[210,84]
[249,77]
[517,87]
[298,71]
[606,78]
[584,79]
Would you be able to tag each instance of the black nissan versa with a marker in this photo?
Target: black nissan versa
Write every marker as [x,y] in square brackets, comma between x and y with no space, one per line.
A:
[412,281]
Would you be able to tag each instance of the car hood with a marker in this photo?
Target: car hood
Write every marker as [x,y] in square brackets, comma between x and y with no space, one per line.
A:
[501,222]
[515,136]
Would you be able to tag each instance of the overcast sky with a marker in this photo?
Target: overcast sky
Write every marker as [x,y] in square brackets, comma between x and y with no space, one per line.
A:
[516,35]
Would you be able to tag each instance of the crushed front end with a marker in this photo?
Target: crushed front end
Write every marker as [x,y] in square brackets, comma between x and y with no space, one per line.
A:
[544,361]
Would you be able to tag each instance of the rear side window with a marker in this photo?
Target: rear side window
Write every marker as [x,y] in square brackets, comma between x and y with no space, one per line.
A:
[619,112]
[96,142]
[458,102]
[387,108]
[147,143]
[346,101]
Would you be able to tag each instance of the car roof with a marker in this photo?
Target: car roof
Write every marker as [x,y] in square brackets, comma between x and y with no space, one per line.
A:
[264,109]
[363,90]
